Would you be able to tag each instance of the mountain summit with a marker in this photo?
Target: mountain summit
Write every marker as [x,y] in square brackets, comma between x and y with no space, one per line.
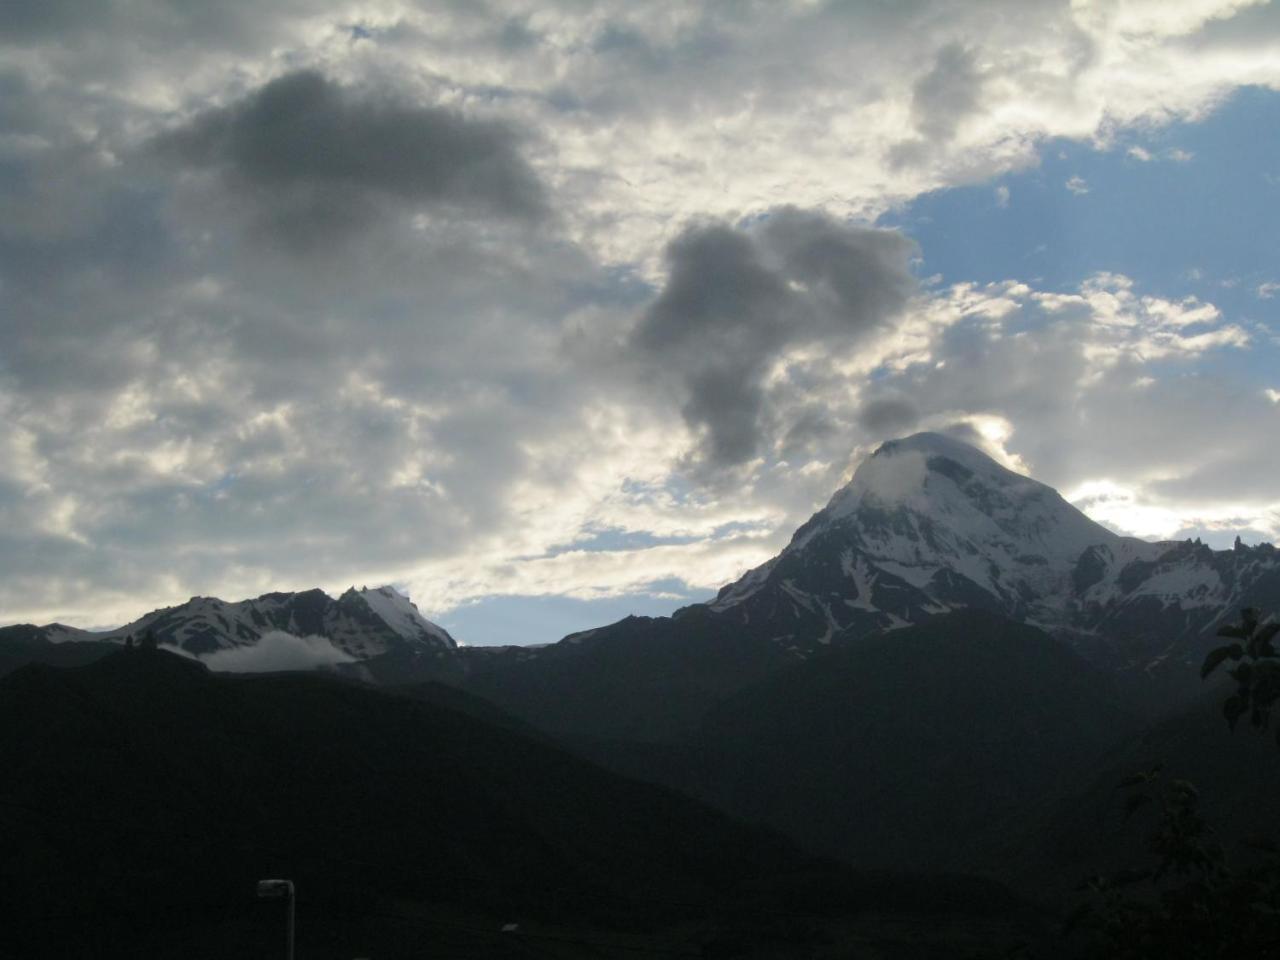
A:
[364,623]
[927,525]
[930,524]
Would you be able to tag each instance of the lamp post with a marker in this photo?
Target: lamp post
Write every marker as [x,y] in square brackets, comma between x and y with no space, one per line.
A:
[274,889]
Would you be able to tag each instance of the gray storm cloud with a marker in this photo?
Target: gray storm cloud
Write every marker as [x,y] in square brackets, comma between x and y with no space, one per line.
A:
[889,416]
[291,292]
[318,159]
[943,97]
[737,300]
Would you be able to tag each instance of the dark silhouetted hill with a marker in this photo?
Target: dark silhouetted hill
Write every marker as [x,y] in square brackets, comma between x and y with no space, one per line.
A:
[642,678]
[926,748]
[143,797]
[25,643]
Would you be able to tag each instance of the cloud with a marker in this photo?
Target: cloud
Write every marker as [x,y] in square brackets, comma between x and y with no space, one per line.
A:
[943,97]
[737,301]
[316,160]
[698,108]
[1077,186]
[1099,390]
[1173,154]
[1002,197]
[889,416]
[277,650]
[292,297]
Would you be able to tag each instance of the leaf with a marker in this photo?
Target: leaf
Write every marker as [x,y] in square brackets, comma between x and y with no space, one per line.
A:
[1232,709]
[1127,878]
[1264,844]
[1077,917]
[1265,635]
[1136,779]
[1215,657]
[1092,883]
[1135,803]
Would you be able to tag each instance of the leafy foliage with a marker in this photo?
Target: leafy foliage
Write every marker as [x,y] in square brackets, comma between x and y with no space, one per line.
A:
[1192,900]
[1256,671]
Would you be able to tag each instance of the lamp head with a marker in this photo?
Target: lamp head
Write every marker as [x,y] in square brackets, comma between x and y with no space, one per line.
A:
[275,888]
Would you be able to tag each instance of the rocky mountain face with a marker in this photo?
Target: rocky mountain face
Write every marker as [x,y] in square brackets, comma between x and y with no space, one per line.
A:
[929,525]
[940,661]
[365,623]
[928,746]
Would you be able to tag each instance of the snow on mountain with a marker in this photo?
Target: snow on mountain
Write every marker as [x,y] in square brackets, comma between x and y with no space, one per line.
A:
[929,524]
[399,613]
[364,623]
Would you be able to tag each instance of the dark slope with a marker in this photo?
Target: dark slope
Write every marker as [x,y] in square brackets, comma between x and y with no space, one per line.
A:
[641,678]
[1237,776]
[143,797]
[929,524]
[920,749]
[25,643]
[460,701]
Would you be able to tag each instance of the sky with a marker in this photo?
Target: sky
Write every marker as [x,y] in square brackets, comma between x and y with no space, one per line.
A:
[547,313]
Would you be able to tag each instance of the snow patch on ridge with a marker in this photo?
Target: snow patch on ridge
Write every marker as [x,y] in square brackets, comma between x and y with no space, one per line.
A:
[400,614]
[929,524]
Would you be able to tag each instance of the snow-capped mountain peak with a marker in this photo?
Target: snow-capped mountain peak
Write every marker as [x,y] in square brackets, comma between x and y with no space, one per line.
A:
[929,524]
[933,498]
[363,623]
[399,613]
[961,488]
[898,472]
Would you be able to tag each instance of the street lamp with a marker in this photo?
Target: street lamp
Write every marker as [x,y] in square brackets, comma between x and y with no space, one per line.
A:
[274,889]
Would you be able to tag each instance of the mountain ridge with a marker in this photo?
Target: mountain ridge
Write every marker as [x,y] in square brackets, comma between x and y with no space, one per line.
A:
[362,623]
[927,525]
[147,764]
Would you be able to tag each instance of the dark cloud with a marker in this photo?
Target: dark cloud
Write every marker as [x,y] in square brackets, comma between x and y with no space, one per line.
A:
[1081,400]
[940,100]
[1234,465]
[890,416]
[812,431]
[964,431]
[737,300]
[318,159]
[950,90]
[182,411]
[176,403]
[23,19]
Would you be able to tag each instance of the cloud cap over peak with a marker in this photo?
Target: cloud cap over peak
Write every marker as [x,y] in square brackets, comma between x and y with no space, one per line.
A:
[738,300]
